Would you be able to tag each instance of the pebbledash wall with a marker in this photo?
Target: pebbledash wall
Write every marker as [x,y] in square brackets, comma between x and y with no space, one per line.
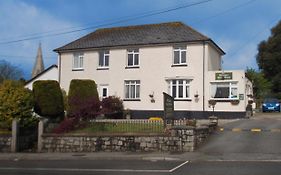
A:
[5,142]
[182,139]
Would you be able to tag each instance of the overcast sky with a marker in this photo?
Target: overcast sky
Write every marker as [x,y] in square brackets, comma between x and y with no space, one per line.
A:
[237,26]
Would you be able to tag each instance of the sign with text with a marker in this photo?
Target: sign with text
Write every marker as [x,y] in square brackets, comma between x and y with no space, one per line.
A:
[168,108]
[224,76]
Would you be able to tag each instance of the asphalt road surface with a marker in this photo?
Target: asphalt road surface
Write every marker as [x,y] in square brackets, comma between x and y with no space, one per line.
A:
[138,167]
[250,146]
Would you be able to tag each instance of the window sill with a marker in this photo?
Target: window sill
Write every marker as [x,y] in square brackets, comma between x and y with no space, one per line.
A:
[131,100]
[184,99]
[78,69]
[103,68]
[179,65]
[132,67]
[224,99]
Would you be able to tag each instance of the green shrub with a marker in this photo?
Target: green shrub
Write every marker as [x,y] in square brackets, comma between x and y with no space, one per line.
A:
[15,102]
[48,99]
[83,100]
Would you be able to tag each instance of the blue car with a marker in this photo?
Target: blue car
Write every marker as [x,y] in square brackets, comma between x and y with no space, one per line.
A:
[271,104]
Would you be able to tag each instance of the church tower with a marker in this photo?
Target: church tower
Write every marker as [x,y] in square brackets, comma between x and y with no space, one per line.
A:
[39,64]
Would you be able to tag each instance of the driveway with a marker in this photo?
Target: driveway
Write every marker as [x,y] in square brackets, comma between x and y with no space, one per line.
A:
[258,138]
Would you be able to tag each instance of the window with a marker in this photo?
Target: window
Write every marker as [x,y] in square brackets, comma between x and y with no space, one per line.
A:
[179,56]
[104,91]
[104,58]
[227,90]
[180,89]
[133,57]
[132,89]
[78,61]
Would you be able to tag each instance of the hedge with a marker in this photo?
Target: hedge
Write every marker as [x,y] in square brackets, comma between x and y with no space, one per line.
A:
[83,99]
[48,99]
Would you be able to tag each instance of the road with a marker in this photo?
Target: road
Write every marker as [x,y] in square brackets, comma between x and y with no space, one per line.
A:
[138,167]
[250,146]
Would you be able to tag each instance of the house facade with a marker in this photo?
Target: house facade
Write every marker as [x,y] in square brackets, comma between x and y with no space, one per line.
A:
[139,63]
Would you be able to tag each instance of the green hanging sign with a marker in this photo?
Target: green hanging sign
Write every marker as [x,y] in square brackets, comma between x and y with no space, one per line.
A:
[224,76]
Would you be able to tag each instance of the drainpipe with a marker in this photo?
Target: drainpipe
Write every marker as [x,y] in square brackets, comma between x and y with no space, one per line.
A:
[59,66]
[204,78]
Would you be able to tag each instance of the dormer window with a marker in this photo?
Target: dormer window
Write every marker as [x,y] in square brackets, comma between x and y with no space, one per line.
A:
[179,56]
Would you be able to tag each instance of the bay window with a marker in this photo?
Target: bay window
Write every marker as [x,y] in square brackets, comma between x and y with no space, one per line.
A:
[225,90]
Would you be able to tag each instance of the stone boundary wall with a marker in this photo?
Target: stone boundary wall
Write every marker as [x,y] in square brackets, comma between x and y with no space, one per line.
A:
[5,142]
[179,139]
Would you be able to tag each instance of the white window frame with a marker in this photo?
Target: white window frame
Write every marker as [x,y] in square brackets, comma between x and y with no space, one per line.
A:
[180,49]
[78,61]
[102,87]
[231,86]
[186,89]
[135,94]
[105,53]
[133,52]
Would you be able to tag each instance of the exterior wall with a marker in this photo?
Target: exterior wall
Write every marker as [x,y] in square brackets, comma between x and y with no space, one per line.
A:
[214,59]
[155,69]
[51,74]
[154,72]
[226,105]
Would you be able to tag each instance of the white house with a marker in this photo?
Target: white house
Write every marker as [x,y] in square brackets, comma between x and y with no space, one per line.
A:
[139,63]
[51,73]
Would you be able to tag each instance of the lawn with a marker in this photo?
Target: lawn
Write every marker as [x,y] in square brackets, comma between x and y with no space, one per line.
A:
[122,128]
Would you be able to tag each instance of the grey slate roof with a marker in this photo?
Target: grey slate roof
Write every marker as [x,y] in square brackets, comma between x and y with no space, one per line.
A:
[173,32]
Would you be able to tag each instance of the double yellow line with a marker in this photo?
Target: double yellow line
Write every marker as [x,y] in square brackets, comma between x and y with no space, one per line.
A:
[251,130]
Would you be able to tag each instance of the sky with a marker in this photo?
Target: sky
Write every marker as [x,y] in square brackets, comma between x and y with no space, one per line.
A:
[237,26]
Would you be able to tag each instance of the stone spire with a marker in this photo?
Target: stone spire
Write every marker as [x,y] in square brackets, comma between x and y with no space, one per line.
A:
[39,64]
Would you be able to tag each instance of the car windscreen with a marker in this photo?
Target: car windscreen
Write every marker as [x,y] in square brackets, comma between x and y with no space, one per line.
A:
[272,100]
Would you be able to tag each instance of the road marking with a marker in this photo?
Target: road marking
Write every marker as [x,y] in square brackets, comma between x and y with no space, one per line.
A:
[255,130]
[236,129]
[177,167]
[249,130]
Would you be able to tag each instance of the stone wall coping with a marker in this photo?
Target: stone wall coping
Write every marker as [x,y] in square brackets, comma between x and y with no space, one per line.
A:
[202,128]
[105,134]
[182,127]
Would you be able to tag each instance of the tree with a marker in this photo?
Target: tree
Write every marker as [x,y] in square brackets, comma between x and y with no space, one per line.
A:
[269,59]
[9,72]
[261,86]
[15,102]
[48,99]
